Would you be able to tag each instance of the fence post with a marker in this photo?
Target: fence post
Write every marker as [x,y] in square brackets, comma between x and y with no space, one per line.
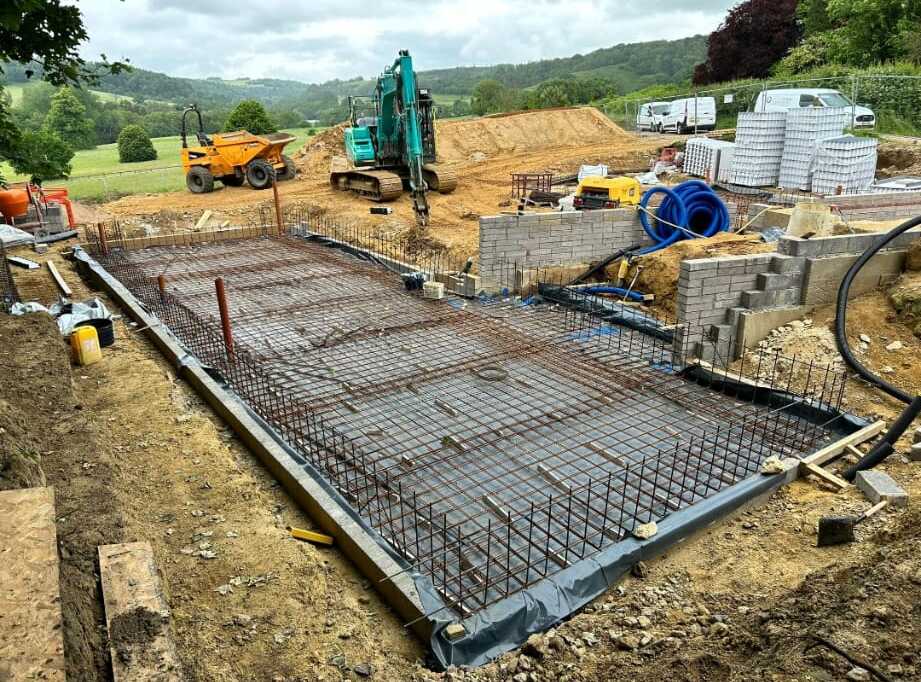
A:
[853,101]
[278,220]
[161,284]
[225,316]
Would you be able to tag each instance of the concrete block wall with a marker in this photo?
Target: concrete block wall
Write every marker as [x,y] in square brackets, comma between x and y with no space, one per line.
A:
[552,239]
[884,206]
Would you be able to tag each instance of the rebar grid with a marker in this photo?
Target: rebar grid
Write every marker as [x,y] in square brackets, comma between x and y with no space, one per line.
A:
[8,292]
[490,444]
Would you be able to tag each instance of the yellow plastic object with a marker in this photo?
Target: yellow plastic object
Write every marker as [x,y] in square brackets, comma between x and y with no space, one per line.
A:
[310,536]
[597,192]
[84,343]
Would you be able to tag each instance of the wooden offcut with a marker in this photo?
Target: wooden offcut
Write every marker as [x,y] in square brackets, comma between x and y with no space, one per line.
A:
[59,280]
[31,628]
[137,616]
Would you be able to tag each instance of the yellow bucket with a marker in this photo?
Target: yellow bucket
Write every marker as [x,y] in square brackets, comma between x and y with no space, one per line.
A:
[84,343]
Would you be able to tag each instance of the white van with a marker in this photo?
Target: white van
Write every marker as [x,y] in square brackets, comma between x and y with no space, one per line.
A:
[650,115]
[687,115]
[791,98]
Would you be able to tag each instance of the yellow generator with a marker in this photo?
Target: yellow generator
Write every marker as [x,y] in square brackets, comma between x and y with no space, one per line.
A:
[597,192]
[234,158]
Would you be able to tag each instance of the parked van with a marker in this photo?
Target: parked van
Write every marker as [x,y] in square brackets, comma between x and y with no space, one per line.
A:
[791,98]
[650,115]
[687,115]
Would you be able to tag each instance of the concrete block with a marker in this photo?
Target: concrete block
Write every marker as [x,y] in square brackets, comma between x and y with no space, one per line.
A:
[879,486]
[755,325]
[770,299]
[784,264]
[768,281]
[824,275]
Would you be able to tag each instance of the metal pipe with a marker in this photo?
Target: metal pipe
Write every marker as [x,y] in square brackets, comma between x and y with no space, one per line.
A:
[225,315]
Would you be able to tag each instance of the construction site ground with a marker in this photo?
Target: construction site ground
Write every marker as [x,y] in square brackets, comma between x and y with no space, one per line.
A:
[483,153]
[133,454]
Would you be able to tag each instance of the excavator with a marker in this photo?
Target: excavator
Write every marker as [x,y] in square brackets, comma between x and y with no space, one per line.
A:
[393,144]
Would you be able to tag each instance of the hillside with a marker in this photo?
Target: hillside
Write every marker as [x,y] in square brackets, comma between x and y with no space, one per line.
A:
[628,67]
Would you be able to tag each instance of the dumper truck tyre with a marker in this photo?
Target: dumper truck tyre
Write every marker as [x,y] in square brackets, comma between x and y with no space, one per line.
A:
[199,180]
[290,169]
[259,174]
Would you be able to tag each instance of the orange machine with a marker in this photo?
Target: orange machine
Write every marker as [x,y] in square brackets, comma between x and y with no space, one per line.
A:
[233,158]
[46,213]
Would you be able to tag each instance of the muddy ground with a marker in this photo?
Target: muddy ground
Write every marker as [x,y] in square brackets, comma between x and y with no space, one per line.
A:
[135,455]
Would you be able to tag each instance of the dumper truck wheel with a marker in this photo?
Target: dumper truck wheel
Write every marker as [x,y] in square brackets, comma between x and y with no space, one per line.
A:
[199,180]
[290,169]
[259,174]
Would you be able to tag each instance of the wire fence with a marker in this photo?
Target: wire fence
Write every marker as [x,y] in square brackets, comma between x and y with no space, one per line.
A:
[894,100]
[8,292]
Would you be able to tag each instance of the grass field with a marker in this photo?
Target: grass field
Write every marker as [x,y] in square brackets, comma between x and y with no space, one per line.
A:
[97,174]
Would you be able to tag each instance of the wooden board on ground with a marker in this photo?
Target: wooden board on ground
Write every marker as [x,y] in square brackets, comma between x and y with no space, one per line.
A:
[31,630]
[137,616]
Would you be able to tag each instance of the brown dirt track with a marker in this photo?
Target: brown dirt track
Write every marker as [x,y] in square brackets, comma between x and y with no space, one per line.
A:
[484,152]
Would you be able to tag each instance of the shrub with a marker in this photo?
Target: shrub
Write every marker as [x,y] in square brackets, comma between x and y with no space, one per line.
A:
[134,145]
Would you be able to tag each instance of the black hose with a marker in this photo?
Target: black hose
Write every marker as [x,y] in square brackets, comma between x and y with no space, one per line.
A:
[887,445]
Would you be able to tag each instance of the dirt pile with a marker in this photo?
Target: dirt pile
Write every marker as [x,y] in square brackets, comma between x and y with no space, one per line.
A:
[481,138]
[905,297]
[314,157]
[902,157]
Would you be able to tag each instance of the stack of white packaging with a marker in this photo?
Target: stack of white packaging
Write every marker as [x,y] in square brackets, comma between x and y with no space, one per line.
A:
[844,165]
[759,148]
[806,127]
[702,156]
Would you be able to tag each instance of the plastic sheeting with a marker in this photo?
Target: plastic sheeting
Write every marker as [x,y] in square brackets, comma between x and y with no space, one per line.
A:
[67,315]
[13,236]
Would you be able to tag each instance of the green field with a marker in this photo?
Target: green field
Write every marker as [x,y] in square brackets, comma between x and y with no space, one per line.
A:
[97,174]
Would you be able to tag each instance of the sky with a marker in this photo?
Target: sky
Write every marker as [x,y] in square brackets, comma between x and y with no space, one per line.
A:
[319,40]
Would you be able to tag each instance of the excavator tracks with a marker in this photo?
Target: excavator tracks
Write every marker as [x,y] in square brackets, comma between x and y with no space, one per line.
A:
[439,179]
[376,185]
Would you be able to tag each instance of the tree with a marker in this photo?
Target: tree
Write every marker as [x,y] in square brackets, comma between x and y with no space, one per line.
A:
[134,145]
[67,119]
[251,116]
[42,155]
[813,15]
[754,35]
[874,30]
[490,96]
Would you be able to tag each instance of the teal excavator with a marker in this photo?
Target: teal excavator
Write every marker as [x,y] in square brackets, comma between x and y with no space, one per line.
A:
[391,142]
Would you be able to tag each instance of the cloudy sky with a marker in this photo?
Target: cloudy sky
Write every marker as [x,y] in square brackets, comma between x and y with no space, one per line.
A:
[317,40]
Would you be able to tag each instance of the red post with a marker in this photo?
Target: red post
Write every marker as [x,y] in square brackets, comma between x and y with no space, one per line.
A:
[225,316]
[278,221]
[161,283]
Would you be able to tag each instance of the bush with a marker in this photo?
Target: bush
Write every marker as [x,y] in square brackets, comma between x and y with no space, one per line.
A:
[251,116]
[42,155]
[311,132]
[134,145]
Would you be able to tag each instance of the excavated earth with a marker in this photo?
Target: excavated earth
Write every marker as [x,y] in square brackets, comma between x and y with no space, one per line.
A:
[484,152]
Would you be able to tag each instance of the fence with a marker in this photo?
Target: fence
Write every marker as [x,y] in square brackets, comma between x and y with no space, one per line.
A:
[894,99]
[589,394]
[111,186]
[8,293]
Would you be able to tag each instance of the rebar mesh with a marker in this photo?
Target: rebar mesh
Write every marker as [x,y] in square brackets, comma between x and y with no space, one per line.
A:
[491,443]
[8,292]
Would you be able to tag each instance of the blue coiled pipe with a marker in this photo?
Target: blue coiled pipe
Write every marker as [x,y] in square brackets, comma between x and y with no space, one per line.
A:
[617,291]
[693,205]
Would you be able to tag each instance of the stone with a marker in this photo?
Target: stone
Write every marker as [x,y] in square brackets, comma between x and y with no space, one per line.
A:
[895,345]
[858,674]
[644,622]
[771,466]
[917,435]
[879,486]
[454,631]
[718,630]
[535,647]
[866,339]
[363,670]
[914,454]
[639,570]
[645,530]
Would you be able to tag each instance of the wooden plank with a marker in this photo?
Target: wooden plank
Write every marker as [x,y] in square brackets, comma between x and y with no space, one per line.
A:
[62,285]
[827,476]
[830,452]
[137,615]
[31,627]
[205,217]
